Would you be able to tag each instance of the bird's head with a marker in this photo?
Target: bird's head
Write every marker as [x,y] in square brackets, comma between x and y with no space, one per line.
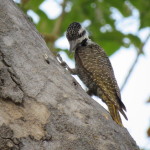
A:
[75,35]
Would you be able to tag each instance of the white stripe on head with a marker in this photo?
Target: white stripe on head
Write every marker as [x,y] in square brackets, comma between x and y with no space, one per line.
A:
[81,30]
[85,36]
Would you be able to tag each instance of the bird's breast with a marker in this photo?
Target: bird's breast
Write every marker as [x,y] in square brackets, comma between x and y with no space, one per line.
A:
[83,74]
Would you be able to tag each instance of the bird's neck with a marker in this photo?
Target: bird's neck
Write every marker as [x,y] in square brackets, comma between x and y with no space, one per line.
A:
[85,42]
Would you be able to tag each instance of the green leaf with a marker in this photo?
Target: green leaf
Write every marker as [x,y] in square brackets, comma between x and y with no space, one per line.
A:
[110,41]
[143,8]
[33,4]
[135,40]
[45,25]
[121,5]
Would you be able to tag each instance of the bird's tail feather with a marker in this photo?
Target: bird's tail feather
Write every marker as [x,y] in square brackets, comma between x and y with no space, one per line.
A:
[114,112]
[122,112]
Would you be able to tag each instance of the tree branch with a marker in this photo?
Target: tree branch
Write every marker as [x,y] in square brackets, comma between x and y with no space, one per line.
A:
[141,50]
[57,27]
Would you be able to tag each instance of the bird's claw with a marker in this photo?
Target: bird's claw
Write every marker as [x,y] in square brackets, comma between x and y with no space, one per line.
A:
[61,61]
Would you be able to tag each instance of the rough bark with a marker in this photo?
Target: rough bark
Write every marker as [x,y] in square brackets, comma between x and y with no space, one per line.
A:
[42,107]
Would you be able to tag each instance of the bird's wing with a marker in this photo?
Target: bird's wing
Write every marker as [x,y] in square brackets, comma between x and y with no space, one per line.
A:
[96,62]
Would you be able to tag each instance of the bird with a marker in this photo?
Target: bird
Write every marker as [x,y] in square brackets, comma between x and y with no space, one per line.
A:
[94,68]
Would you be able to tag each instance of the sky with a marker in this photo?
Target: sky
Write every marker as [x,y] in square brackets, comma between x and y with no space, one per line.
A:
[137,90]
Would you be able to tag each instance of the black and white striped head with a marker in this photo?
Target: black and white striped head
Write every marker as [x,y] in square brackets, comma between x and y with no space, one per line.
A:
[75,35]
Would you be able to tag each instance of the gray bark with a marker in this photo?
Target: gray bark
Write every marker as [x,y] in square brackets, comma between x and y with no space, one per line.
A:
[42,107]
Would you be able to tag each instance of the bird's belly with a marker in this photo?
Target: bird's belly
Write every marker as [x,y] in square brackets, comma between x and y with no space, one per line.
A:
[86,78]
[91,85]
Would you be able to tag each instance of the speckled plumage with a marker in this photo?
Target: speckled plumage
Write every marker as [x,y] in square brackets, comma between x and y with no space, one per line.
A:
[95,70]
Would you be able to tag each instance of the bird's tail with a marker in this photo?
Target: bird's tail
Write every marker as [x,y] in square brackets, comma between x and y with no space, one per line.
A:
[114,112]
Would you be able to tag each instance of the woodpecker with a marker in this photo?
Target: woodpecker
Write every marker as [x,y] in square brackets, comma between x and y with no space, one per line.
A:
[94,68]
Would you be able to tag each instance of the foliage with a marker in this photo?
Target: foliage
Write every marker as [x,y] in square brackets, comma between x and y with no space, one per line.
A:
[99,13]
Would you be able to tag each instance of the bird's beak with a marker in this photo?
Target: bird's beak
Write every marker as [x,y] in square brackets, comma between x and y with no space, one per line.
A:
[72,46]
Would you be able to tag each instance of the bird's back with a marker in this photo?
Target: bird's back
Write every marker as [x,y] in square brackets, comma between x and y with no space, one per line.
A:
[96,72]
[94,69]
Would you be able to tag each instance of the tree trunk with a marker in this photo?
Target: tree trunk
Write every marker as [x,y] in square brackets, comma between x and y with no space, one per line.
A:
[42,107]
